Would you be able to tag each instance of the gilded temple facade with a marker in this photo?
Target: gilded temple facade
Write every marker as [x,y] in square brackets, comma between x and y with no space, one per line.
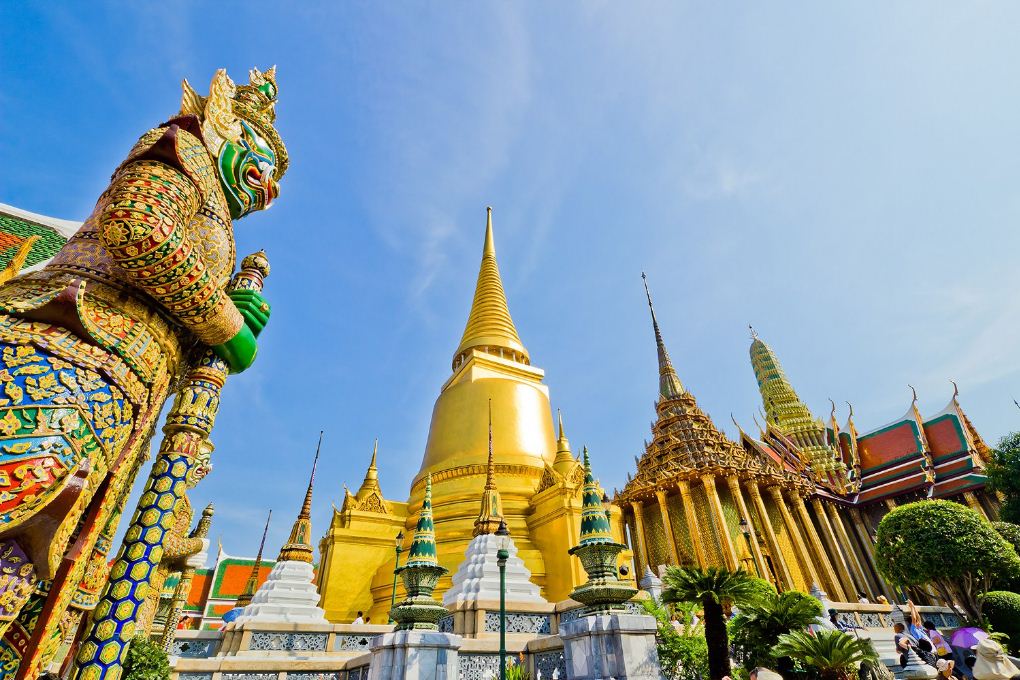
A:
[539,479]
[799,504]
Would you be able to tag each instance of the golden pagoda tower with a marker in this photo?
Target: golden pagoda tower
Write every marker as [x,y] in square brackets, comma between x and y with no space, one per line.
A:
[787,413]
[539,480]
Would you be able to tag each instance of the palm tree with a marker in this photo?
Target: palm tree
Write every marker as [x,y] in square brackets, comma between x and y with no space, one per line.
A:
[834,653]
[711,588]
[756,629]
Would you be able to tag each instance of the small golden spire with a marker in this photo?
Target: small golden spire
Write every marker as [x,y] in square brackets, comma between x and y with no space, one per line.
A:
[489,326]
[491,513]
[564,460]
[371,482]
[244,599]
[298,547]
[670,386]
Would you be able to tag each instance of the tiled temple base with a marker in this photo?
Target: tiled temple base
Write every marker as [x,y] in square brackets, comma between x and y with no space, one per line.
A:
[620,646]
[415,655]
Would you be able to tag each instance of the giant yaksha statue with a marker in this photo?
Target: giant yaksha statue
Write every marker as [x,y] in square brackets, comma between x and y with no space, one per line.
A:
[92,345]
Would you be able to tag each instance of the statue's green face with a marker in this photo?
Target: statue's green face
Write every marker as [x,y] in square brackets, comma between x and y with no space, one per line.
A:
[246,170]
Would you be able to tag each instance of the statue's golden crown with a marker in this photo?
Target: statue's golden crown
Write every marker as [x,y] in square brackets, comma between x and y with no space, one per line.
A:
[227,104]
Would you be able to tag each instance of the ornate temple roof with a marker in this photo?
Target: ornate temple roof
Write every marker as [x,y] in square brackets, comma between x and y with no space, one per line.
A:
[686,443]
[489,326]
[17,226]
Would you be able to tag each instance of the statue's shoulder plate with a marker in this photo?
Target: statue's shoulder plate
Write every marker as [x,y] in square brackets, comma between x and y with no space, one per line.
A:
[179,144]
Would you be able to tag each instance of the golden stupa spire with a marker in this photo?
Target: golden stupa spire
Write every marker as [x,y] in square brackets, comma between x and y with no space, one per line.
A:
[670,386]
[489,326]
[298,547]
[564,460]
[244,599]
[491,513]
[371,482]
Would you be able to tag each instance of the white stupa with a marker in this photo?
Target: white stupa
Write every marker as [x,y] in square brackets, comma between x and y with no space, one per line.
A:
[288,594]
[477,577]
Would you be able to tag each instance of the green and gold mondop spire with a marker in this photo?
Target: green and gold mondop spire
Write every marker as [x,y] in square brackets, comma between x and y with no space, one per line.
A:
[423,546]
[244,599]
[788,414]
[594,523]
[604,592]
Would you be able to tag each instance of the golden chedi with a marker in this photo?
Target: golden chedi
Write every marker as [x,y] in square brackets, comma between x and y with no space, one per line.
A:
[539,480]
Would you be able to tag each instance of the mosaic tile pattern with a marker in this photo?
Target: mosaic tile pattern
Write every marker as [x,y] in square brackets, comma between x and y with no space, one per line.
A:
[547,662]
[446,624]
[478,666]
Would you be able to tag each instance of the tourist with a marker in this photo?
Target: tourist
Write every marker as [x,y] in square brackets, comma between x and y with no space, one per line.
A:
[674,621]
[368,620]
[945,669]
[942,647]
[360,620]
[904,643]
[881,599]
[863,599]
[992,662]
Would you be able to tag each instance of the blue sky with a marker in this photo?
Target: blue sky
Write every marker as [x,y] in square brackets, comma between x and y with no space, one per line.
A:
[841,175]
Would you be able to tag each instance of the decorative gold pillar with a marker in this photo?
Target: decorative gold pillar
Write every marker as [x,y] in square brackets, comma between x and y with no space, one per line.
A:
[639,564]
[798,541]
[839,563]
[738,497]
[720,521]
[973,504]
[863,585]
[692,522]
[890,503]
[778,558]
[660,495]
[822,561]
[640,522]
[869,547]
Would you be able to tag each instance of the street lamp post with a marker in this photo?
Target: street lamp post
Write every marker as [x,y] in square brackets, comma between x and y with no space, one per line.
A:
[745,528]
[399,547]
[501,557]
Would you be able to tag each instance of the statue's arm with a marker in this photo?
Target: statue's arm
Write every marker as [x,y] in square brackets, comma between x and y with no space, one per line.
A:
[145,228]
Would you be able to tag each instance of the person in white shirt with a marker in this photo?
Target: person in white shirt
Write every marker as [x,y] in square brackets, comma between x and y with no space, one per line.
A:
[360,620]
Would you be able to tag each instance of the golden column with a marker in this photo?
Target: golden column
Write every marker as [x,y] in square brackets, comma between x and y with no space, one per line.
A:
[798,541]
[863,585]
[815,543]
[770,536]
[720,519]
[692,522]
[642,550]
[974,504]
[890,503]
[865,537]
[738,496]
[660,495]
[836,559]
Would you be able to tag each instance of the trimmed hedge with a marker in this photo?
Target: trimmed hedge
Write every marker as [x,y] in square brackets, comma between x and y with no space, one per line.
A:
[1003,611]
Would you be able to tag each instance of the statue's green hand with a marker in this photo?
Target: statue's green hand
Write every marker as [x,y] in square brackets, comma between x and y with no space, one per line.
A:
[239,351]
[253,308]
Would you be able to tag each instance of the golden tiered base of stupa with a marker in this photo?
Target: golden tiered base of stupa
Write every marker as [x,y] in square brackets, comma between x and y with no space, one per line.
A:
[538,478]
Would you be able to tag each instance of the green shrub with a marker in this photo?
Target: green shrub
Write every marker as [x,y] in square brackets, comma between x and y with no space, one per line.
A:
[946,545]
[146,661]
[1002,609]
[756,629]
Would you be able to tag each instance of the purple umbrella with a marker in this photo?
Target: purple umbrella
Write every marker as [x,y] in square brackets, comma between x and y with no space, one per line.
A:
[967,637]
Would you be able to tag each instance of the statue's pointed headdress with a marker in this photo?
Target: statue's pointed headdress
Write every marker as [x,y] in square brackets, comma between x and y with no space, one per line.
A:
[227,104]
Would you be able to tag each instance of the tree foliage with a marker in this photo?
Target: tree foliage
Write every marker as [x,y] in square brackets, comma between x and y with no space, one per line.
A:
[834,653]
[712,587]
[1003,611]
[146,661]
[946,545]
[683,654]
[756,629]
[1004,475]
